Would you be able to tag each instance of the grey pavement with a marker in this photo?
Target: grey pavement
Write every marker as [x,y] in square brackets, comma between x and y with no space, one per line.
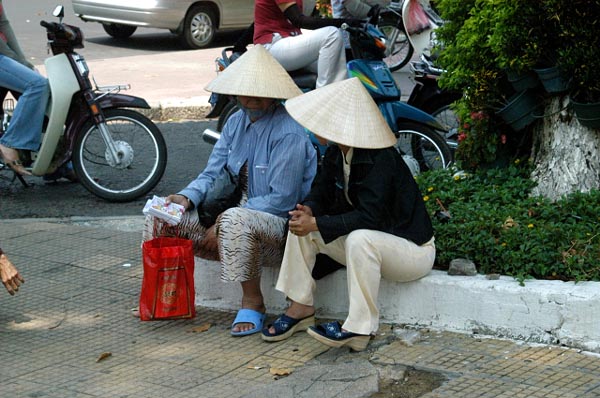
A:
[69,332]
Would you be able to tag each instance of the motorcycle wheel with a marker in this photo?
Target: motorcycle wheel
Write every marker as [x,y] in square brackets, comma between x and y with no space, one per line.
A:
[439,108]
[142,151]
[402,50]
[422,148]
[226,113]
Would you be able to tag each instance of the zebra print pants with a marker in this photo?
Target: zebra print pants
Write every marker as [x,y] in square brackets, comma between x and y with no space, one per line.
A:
[248,240]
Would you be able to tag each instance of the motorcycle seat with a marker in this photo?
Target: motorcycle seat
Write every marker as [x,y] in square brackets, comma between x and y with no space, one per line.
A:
[304,79]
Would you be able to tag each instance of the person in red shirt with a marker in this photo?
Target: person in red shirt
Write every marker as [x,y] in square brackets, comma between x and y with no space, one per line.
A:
[277,26]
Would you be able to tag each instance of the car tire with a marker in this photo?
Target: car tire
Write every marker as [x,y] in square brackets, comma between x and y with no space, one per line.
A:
[199,27]
[119,31]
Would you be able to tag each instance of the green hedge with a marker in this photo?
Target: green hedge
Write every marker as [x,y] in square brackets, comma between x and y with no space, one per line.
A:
[495,223]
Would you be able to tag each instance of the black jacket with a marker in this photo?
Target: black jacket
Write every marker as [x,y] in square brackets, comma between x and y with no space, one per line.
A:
[383,192]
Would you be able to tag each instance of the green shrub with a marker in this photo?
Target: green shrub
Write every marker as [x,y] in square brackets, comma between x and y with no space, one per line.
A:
[486,40]
[496,224]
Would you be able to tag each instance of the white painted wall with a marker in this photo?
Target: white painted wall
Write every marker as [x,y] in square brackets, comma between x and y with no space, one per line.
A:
[540,311]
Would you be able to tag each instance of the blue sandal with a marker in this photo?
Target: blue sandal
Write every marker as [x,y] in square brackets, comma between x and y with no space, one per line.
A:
[248,316]
[331,334]
[286,326]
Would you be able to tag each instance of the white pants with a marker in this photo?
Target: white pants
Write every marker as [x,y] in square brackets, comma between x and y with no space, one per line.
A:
[368,255]
[320,51]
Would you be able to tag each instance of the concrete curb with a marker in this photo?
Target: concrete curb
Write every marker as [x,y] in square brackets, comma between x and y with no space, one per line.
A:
[160,114]
[553,312]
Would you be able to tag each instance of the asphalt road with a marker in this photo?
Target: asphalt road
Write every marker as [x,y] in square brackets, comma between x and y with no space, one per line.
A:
[25,17]
[187,156]
[65,199]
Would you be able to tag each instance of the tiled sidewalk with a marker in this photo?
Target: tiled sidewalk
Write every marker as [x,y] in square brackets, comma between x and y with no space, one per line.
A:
[75,307]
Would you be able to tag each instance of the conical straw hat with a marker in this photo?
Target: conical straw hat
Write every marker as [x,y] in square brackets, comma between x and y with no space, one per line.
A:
[343,112]
[255,74]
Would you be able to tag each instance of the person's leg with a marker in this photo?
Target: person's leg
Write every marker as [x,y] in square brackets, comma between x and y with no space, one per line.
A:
[25,127]
[249,240]
[295,276]
[188,228]
[371,255]
[324,45]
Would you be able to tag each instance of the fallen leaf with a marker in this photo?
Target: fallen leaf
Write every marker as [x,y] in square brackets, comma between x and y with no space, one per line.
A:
[280,371]
[103,356]
[202,328]
[509,223]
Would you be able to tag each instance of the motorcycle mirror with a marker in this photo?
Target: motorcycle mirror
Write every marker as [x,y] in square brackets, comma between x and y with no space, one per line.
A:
[59,12]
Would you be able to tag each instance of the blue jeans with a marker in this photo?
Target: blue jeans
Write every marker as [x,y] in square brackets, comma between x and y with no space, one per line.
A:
[25,130]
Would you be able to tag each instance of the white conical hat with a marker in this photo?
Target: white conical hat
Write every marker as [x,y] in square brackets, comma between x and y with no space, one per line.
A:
[343,112]
[255,74]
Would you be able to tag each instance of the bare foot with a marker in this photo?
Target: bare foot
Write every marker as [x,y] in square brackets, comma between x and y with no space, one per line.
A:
[11,159]
[244,327]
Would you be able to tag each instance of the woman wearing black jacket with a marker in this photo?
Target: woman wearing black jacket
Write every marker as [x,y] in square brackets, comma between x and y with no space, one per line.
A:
[364,211]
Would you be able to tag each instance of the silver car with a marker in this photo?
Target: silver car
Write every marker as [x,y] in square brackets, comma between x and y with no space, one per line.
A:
[196,22]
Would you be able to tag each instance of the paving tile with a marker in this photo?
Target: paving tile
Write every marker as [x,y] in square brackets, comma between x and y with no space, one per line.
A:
[82,282]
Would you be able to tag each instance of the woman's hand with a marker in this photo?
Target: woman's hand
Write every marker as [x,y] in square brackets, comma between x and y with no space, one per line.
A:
[302,221]
[11,278]
[180,200]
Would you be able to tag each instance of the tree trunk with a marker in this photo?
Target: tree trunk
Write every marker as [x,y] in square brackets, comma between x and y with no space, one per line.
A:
[566,154]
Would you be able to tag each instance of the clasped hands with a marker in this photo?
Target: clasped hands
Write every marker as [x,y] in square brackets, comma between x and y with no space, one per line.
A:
[302,221]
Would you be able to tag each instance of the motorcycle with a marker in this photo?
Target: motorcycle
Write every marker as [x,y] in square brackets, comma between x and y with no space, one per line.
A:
[429,97]
[409,26]
[399,49]
[421,146]
[117,154]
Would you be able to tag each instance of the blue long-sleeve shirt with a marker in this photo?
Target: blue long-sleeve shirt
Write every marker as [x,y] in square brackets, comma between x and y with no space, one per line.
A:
[281,161]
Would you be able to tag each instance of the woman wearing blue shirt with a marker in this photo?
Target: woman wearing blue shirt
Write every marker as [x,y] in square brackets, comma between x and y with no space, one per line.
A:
[271,153]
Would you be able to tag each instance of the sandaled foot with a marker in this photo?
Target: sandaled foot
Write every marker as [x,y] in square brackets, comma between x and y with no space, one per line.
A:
[331,334]
[245,315]
[285,326]
[10,157]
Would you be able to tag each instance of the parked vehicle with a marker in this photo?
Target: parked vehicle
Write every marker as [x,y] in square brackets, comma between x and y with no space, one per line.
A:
[428,96]
[422,147]
[196,22]
[399,50]
[118,154]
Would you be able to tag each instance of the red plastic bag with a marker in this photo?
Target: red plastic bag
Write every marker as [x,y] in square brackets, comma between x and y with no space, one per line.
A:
[168,283]
[418,20]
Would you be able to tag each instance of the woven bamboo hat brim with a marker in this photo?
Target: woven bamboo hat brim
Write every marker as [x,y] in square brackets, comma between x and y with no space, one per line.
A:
[344,113]
[255,74]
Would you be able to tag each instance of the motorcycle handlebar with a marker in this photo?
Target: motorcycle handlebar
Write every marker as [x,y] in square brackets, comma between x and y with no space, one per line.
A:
[48,25]
[54,27]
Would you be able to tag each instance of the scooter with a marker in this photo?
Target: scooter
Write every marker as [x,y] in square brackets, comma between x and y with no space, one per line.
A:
[399,49]
[117,154]
[421,146]
[428,96]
